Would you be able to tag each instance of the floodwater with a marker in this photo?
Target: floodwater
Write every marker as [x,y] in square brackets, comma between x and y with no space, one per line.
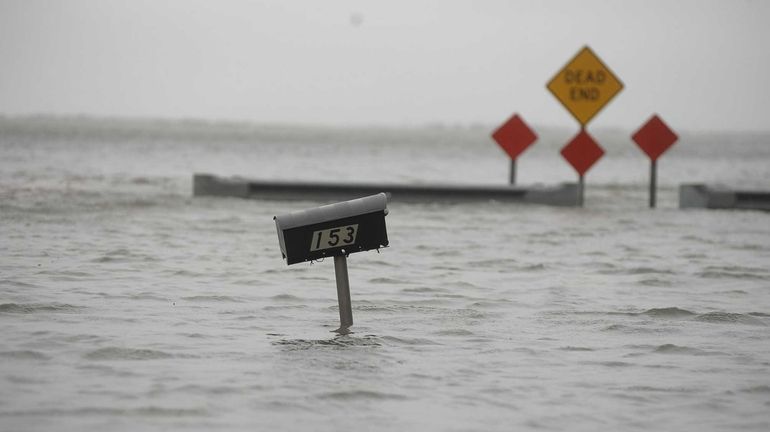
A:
[127,304]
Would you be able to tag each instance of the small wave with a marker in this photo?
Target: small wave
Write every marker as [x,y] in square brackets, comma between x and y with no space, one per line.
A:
[612,364]
[18,284]
[354,395]
[410,307]
[491,304]
[731,275]
[409,341]
[760,389]
[423,289]
[184,272]
[368,307]
[734,272]
[115,353]
[386,280]
[29,308]
[286,297]
[462,285]
[447,268]
[729,318]
[660,389]
[576,348]
[655,282]
[453,332]
[212,298]
[647,270]
[249,282]
[493,262]
[194,335]
[618,327]
[214,390]
[676,349]
[445,253]
[148,411]
[346,341]
[284,307]
[472,314]
[23,355]
[669,312]
[144,296]
[123,255]
[380,263]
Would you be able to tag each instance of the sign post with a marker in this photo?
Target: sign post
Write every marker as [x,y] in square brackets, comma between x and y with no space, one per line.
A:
[343,291]
[584,86]
[514,136]
[653,182]
[654,138]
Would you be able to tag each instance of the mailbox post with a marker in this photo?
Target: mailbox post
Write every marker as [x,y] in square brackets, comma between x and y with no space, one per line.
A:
[343,291]
[335,230]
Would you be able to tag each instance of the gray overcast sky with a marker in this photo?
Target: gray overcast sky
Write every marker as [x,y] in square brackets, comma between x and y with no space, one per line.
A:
[699,64]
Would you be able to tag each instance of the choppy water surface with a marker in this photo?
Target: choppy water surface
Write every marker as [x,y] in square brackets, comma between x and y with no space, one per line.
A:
[126,304]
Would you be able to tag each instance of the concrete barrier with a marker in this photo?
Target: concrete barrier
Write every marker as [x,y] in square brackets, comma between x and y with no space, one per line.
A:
[209,185]
[721,197]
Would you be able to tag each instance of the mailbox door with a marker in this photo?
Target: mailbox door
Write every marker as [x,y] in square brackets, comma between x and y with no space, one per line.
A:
[353,234]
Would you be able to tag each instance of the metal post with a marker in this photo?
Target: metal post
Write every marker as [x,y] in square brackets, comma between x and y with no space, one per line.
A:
[512,180]
[343,292]
[653,181]
[581,189]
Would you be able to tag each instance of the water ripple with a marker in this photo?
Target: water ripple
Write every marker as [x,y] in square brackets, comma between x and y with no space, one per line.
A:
[357,395]
[729,318]
[28,308]
[346,341]
[676,349]
[212,298]
[734,272]
[115,353]
[669,312]
[148,411]
[23,355]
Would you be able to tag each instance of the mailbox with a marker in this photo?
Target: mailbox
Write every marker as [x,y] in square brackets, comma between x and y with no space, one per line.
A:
[333,230]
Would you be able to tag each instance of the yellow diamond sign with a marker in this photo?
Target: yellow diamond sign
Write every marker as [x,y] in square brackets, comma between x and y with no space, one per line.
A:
[585,85]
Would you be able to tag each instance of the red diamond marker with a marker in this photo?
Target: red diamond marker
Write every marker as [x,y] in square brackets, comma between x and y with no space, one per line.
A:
[514,136]
[654,137]
[582,152]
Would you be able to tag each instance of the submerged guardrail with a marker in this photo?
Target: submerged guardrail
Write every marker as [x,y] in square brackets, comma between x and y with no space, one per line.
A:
[564,194]
[722,197]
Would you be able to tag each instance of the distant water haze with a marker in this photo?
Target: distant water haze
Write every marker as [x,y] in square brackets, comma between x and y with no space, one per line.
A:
[700,64]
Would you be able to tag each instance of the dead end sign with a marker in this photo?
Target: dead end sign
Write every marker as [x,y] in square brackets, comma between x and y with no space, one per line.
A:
[585,85]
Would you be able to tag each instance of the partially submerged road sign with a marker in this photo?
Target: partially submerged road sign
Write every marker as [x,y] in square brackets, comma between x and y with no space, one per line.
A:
[514,136]
[655,137]
[585,85]
[582,152]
